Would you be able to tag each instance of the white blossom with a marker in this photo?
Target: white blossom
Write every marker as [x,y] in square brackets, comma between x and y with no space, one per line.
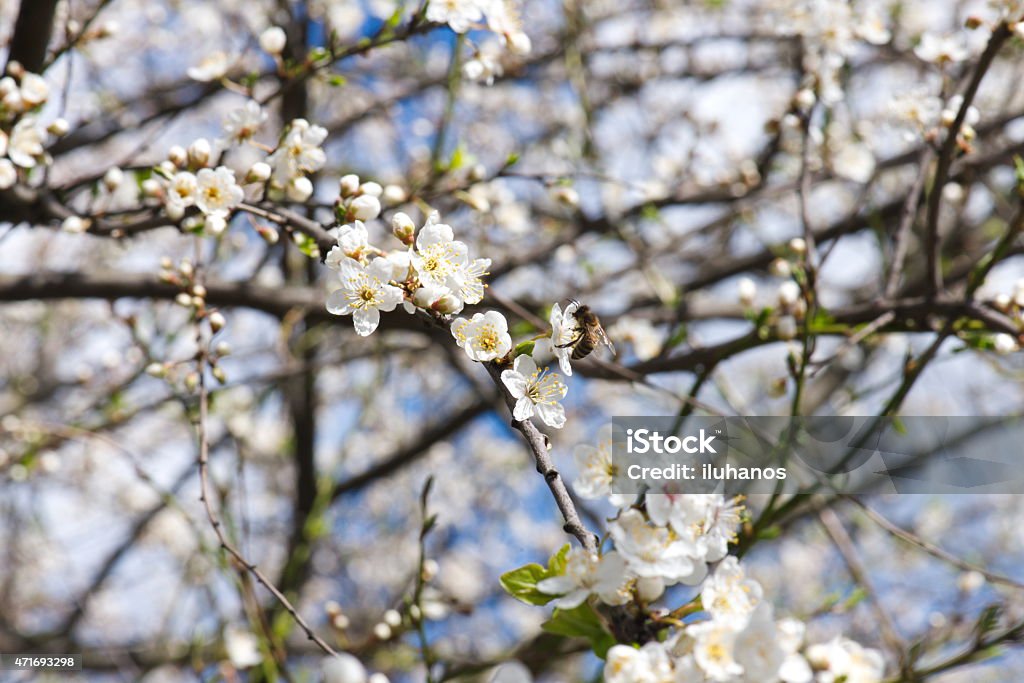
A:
[655,550]
[564,331]
[458,14]
[242,647]
[353,243]
[365,291]
[597,471]
[242,123]
[25,144]
[210,68]
[484,337]
[588,574]
[216,191]
[728,595]
[536,392]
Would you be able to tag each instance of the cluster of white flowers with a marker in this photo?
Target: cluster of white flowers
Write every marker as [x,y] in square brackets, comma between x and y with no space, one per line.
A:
[184,181]
[673,539]
[22,135]
[918,113]
[1013,306]
[432,273]
[500,15]
[830,30]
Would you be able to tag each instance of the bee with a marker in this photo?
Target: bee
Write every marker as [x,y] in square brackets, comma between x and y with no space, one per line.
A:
[589,332]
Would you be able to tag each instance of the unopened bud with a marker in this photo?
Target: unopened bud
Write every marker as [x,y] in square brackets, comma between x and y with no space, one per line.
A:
[151,187]
[59,127]
[258,173]
[780,268]
[217,321]
[567,196]
[392,618]
[199,291]
[798,246]
[403,228]
[183,300]
[349,185]
[156,370]
[113,178]
[192,381]
[382,631]
[372,189]
[478,173]
[199,152]
[219,374]
[75,224]
[394,194]
[364,208]
[223,348]
[269,234]
[272,40]
[299,189]
[177,156]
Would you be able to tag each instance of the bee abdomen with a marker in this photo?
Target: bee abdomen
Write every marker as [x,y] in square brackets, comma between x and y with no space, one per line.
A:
[582,349]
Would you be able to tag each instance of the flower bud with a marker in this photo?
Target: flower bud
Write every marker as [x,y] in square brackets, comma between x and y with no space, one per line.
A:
[156,370]
[199,152]
[789,293]
[392,618]
[478,173]
[192,381]
[349,185]
[113,178]
[199,291]
[650,589]
[75,224]
[403,228]
[567,195]
[151,187]
[269,234]
[216,224]
[299,189]
[217,321]
[219,374]
[371,188]
[14,68]
[177,156]
[343,668]
[364,208]
[747,291]
[382,631]
[780,268]
[798,246]
[59,127]
[1004,344]
[258,173]
[183,300]
[394,194]
[272,40]
[223,349]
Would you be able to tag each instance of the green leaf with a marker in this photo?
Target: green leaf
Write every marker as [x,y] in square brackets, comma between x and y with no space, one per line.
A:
[524,348]
[306,244]
[581,622]
[556,563]
[336,80]
[522,584]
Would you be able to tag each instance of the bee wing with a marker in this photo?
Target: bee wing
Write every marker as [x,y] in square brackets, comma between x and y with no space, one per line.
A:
[603,337]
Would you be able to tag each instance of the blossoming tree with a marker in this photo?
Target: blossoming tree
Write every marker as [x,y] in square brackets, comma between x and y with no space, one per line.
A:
[302,374]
